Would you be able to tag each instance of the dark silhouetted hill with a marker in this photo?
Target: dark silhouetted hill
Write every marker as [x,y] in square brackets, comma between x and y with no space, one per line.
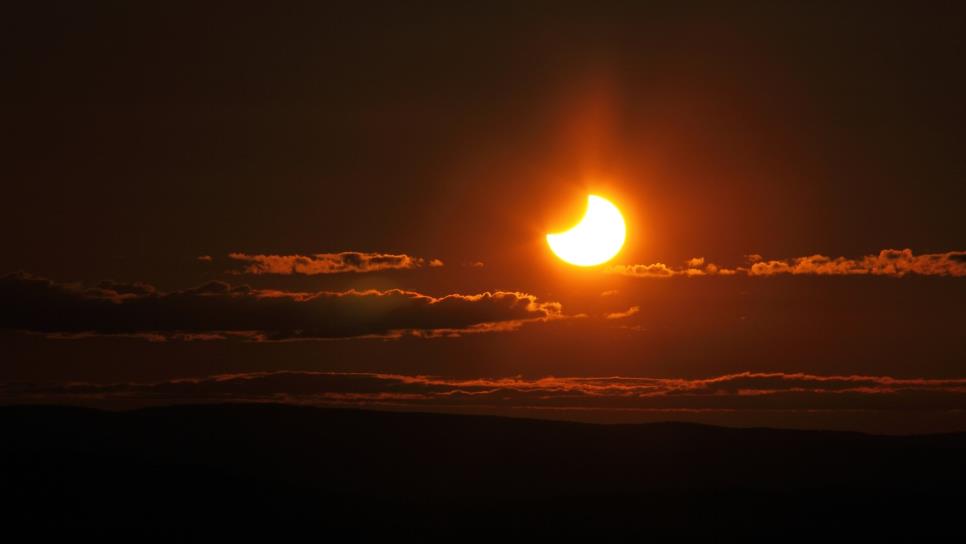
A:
[234,468]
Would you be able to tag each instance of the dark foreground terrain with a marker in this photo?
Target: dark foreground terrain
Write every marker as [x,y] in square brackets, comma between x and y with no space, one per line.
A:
[241,468]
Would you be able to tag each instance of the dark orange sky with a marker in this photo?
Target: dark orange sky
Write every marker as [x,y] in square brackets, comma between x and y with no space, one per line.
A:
[386,137]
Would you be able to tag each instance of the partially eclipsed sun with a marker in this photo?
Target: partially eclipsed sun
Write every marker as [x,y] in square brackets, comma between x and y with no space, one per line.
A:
[596,239]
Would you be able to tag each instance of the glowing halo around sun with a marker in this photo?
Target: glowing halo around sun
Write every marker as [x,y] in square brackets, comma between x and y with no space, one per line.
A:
[596,239]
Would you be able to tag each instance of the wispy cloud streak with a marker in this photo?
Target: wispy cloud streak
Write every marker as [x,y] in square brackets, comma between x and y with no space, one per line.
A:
[888,262]
[738,391]
[329,263]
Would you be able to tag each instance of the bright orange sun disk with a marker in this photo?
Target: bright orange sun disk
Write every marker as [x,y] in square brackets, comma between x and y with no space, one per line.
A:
[596,239]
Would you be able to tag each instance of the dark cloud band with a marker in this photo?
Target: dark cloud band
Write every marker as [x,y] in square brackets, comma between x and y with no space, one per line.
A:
[217,310]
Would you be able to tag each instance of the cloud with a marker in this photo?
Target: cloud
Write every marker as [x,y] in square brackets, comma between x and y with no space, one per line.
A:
[739,391]
[888,262]
[220,310]
[695,267]
[329,263]
[626,313]
[656,270]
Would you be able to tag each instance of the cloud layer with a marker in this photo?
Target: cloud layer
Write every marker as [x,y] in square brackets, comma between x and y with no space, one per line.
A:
[889,262]
[218,309]
[740,391]
[329,263]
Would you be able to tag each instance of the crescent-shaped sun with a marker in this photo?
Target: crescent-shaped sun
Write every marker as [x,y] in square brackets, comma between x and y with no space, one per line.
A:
[596,239]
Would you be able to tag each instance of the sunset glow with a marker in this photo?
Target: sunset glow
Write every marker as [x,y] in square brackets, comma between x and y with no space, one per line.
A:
[450,268]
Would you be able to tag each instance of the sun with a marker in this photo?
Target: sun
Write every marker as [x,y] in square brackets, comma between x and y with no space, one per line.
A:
[596,239]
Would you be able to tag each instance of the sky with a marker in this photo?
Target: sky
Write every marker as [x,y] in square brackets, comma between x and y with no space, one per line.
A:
[347,205]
